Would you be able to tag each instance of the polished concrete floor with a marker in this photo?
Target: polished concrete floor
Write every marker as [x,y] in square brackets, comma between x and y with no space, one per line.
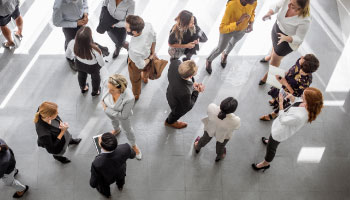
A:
[312,165]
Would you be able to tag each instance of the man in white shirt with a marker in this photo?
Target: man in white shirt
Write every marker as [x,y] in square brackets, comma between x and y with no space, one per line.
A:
[141,51]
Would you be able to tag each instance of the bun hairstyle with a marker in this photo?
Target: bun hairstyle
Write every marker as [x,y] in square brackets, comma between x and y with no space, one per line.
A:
[46,109]
[118,81]
[108,142]
[4,148]
[227,106]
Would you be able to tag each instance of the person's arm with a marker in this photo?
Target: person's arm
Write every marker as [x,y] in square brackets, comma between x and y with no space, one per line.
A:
[85,7]
[132,154]
[99,58]
[252,15]
[300,34]
[124,114]
[275,8]
[94,177]
[226,25]
[70,50]
[57,17]
[286,118]
[130,11]
[188,100]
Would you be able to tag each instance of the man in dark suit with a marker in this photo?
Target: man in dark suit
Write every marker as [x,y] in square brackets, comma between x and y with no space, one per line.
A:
[110,166]
[182,91]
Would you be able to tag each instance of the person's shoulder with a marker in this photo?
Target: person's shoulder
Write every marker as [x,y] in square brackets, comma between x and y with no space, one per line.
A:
[123,149]
[213,108]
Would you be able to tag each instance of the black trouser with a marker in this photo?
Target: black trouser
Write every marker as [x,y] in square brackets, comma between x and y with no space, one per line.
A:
[271,149]
[205,139]
[84,70]
[69,34]
[118,36]
[120,181]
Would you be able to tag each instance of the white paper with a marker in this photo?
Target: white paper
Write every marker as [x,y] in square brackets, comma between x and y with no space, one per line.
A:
[271,76]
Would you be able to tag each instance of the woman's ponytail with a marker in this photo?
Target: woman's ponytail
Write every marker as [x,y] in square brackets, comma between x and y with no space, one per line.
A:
[222,115]
[36,117]
[227,106]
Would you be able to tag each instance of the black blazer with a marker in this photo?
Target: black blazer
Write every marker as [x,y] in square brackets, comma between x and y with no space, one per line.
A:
[180,93]
[108,167]
[47,136]
[7,161]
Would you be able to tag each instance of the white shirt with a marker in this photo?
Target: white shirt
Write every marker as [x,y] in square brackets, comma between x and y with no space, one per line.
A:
[220,129]
[122,108]
[125,8]
[140,46]
[295,26]
[96,56]
[288,123]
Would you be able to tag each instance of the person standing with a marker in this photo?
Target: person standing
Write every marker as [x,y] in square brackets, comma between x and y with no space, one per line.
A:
[119,10]
[8,170]
[70,15]
[288,33]
[52,133]
[10,9]
[182,91]
[141,51]
[117,103]
[220,123]
[110,166]
[88,59]
[184,36]
[289,121]
[238,20]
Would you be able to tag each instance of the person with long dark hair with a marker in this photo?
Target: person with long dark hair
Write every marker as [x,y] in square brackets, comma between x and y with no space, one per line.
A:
[290,120]
[52,133]
[88,59]
[220,123]
[184,36]
[8,170]
[288,33]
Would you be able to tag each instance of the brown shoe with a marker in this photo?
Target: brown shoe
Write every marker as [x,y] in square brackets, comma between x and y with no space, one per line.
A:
[177,124]
[223,60]
[208,67]
[137,97]
[145,80]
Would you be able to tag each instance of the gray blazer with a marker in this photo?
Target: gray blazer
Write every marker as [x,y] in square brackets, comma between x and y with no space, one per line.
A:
[123,107]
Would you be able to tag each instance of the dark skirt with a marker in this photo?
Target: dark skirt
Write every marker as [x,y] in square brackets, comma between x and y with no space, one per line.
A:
[282,49]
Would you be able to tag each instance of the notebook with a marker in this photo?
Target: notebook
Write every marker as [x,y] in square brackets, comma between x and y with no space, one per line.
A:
[271,76]
[96,143]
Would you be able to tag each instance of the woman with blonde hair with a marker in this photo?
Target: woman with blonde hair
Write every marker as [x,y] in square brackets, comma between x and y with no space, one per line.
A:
[52,133]
[117,103]
[293,22]
[303,110]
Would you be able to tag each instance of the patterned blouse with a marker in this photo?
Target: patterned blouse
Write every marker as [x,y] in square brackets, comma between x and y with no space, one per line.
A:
[297,81]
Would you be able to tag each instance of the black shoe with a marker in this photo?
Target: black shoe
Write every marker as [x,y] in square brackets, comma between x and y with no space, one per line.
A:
[263,139]
[75,141]
[208,67]
[16,172]
[116,52]
[263,60]
[105,195]
[96,94]
[194,144]
[224,61]
[257,169]
[84,91]
[16,196]
[261,82]
[217,159]
[72,64]
[62,159]
[120,188]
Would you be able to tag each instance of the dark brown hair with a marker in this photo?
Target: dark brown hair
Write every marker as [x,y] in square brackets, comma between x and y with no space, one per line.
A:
[136,23]
[182,22]
[84,43]
[310,64]
[314,102]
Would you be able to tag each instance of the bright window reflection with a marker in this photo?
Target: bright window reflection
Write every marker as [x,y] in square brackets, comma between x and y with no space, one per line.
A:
[310,154]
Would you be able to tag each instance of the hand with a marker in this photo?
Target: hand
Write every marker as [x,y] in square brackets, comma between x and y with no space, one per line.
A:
[282,38]
[85,16]
[82,22]
[104,106]
[198,87]
[190,45]
[63,126]
[249,28]
[196,41]
[243,18]
[266,17]
[279,78]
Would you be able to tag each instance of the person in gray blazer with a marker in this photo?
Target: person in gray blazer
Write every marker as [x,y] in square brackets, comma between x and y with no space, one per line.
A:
[220,123]
[117,103]
[291,120]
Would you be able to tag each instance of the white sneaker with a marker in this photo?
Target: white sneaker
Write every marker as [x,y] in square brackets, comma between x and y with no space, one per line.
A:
[137,151]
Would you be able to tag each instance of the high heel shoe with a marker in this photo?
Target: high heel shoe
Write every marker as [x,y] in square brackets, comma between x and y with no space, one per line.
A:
[258,169]
[84,91]
[263,139]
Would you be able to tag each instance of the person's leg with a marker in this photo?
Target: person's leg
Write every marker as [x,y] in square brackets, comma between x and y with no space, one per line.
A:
[69,34]
[220,149]
[7,34]
[129,131]
[118,36]
[95,80]
[223,41]
[115,124]
[270,152]
[204,140]
[104,189]
[82,76]
[275,61]
[120,182]
[19,24]
[135,79]
[236,36]
[9,180]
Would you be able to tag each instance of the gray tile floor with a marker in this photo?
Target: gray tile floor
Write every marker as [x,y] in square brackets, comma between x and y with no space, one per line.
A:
[169,168]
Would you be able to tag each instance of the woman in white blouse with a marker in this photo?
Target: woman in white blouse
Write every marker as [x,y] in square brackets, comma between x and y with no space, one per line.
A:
[117,104]
[88,59]
[220,123]
[288,33]
[290,121]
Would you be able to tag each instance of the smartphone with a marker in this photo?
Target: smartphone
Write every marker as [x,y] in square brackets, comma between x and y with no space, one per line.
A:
[284,93]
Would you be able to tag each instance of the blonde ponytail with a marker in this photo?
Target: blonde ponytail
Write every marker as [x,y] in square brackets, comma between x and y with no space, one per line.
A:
[46,109]
[36,117]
